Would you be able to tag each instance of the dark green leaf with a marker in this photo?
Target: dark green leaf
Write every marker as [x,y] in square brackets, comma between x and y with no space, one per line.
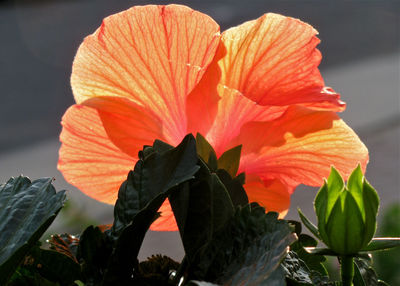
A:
[364,274]
[140,197]
[311,227]
[248,250]
[155,174]
[382,243]
[161,147]
[241,178]
[234,187]
[56,266]
[201,208]
[124,256]
[296,226]
[230,160]
[204,149]
[212,162]
[156,270]
[94,251]
[387,263]
[264,270]
[296,270]
[313,262]
[28,275]
[307,241]
[26,210]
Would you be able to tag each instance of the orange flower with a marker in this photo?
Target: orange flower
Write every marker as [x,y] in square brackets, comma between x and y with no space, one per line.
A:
[164,71]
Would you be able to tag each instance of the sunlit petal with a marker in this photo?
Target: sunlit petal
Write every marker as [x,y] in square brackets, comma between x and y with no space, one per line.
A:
[271,194]
[273,61]
[128,125]
[300,147]
[87,157]
[167,220]
[152,55]
[234,110]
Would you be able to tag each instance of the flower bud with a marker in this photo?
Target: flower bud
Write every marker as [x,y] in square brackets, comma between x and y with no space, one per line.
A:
[346,214]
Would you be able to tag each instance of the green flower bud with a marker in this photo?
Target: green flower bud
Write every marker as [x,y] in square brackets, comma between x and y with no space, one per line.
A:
[346,215]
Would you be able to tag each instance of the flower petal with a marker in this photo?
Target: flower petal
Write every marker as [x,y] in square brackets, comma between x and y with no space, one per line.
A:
[234,110]
[273,61]
[87,157]
[128,125]
[152,55]
[273,195]
[166,222]
[300,147]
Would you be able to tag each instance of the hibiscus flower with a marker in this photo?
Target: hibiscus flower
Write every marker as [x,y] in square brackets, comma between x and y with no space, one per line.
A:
[160,72]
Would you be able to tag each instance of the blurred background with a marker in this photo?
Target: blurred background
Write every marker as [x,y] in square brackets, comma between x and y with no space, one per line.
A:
[39,38]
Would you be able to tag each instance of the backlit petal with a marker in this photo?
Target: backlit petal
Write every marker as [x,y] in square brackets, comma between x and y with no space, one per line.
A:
[87,157]
[152,55]
[167,220]
[300,147]
[234,110]
[273,61]
[271,194]
[128,125]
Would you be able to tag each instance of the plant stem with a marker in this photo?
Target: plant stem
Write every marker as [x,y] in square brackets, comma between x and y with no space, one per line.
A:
[347,270]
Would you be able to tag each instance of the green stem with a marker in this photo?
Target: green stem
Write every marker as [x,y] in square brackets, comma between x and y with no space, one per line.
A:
[347,270]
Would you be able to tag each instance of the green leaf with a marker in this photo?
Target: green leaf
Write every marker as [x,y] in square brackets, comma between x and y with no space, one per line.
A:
[156,270]
[153,179]
[296,270]
[325,200]
[204,149]
[387,263]
[320,206]
[364,274]
[161,147]
[26,210]
[355,187]
[371,204]
[56,266]
[230,160]
[27,274]
[382,243]
[247,250]
[345,226]
[201,208]
[94,251]
[335,186]
[124,256]
[153,175]
[313,262]
[234,187]
[296,226]
[241,178]
[311,227]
